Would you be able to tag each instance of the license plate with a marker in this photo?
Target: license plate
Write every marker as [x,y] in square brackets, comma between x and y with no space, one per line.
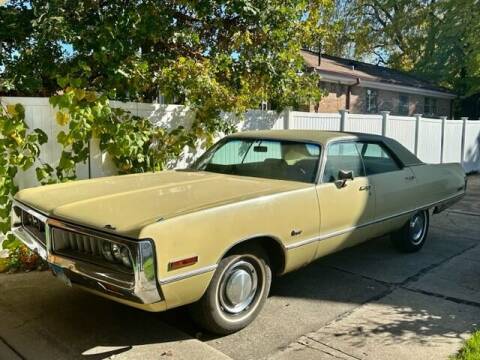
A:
[60,275]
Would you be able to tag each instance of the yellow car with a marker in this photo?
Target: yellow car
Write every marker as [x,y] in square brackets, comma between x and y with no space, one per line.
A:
[255,204]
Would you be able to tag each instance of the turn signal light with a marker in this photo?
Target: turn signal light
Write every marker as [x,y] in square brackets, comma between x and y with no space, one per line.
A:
[174,265]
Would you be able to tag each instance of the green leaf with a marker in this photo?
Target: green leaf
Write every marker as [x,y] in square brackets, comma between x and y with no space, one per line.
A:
[42,136]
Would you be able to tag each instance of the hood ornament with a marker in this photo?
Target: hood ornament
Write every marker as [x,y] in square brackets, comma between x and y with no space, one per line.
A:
[109,227]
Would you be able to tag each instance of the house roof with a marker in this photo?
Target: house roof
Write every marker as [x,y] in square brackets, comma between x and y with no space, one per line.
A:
[333,68]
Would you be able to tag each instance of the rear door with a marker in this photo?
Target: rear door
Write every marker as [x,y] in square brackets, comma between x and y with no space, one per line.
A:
[393,183]
[343,210]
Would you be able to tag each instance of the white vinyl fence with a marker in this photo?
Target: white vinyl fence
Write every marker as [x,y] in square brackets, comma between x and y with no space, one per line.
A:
[432,140]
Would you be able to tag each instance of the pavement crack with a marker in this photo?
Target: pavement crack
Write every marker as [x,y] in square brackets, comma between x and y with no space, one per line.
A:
[20,356]
[469,213]
[427,269]
[307,345]
[444,297]
[333,348]
[409,279]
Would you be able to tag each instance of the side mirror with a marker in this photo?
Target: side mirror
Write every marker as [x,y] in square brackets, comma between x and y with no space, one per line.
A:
[343,176]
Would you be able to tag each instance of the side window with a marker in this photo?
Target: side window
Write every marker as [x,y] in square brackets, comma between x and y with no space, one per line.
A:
[342,156]
[377,158]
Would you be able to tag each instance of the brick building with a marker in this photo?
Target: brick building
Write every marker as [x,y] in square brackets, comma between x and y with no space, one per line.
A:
[366,88]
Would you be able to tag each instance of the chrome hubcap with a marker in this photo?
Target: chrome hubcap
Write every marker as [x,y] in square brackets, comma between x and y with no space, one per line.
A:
[239,287]
[417,227]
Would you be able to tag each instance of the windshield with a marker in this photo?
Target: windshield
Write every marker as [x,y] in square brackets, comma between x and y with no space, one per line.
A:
[272,159]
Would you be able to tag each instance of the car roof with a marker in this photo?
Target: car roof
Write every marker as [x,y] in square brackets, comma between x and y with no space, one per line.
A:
[322,137]
[316,136]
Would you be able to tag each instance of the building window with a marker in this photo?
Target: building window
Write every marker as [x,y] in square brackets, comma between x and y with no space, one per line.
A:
[372,101]
[430,108]
[403,105]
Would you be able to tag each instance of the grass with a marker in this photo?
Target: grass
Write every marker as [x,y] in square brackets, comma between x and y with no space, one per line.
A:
[471,349]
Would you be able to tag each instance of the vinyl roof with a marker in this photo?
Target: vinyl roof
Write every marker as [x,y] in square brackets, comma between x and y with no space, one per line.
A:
[322,137]
[317,136]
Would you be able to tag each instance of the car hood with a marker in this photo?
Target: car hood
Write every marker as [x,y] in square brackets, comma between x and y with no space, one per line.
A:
[129,202]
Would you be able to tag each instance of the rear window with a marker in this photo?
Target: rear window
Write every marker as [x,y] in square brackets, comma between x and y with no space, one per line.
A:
[377,158]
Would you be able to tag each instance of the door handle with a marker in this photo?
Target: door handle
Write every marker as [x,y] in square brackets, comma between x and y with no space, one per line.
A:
[409,177]
[364,188]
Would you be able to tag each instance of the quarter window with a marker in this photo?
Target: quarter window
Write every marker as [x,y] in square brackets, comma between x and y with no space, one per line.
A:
[342,156]
[377,158]
[371,101]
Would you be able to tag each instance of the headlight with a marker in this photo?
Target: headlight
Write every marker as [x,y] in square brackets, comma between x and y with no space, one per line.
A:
[107,251]
[118,253]
[126,257]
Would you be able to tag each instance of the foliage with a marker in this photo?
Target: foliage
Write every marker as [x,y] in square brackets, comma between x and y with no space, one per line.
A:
[19,150]
[210,55]
[20,258]
[134,143]
[437,40]
[470,350]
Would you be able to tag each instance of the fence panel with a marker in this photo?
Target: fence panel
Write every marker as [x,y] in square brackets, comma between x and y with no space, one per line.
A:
[471,156]
[429,141]
[402,129]
[259,120]
[39,114]
[452,148]
[314,121]
[369,124]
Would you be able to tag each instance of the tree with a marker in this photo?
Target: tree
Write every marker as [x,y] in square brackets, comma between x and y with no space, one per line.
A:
[212,55]
[436,39]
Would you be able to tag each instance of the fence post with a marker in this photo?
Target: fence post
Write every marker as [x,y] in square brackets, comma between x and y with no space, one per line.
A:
[418,118]
[385,116]
[343,118]
[464,131]
[287,119]
[442,139]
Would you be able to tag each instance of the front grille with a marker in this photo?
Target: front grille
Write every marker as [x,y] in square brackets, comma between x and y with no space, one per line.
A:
[85,247]
[84,244]
[34,226]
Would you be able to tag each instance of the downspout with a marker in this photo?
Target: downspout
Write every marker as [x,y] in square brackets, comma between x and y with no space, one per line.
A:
[349,90]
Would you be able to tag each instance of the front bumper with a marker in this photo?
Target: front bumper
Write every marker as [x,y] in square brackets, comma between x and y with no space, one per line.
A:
[141,287]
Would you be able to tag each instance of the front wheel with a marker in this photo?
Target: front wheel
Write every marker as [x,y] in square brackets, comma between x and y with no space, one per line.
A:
[411,237]
[236,294]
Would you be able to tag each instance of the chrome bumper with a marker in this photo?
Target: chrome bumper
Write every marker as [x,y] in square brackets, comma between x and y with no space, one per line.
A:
[140,287]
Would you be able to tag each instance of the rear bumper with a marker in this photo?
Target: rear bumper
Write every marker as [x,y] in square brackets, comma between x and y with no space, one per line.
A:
[139,288]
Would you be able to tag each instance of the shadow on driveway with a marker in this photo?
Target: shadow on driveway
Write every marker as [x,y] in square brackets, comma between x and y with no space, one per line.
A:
[42,319]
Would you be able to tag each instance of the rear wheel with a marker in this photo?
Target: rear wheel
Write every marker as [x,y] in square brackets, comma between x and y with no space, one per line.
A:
[237,292]
[411,237]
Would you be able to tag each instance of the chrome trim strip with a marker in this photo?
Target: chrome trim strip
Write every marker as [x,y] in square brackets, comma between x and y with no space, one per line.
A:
[340,232]
[40,216]
[188,274]
[32,243]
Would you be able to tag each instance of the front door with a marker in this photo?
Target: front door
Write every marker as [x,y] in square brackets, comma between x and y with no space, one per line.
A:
[344,208]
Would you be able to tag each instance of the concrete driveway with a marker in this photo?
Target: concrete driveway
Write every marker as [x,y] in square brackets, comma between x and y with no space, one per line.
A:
[368,302]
